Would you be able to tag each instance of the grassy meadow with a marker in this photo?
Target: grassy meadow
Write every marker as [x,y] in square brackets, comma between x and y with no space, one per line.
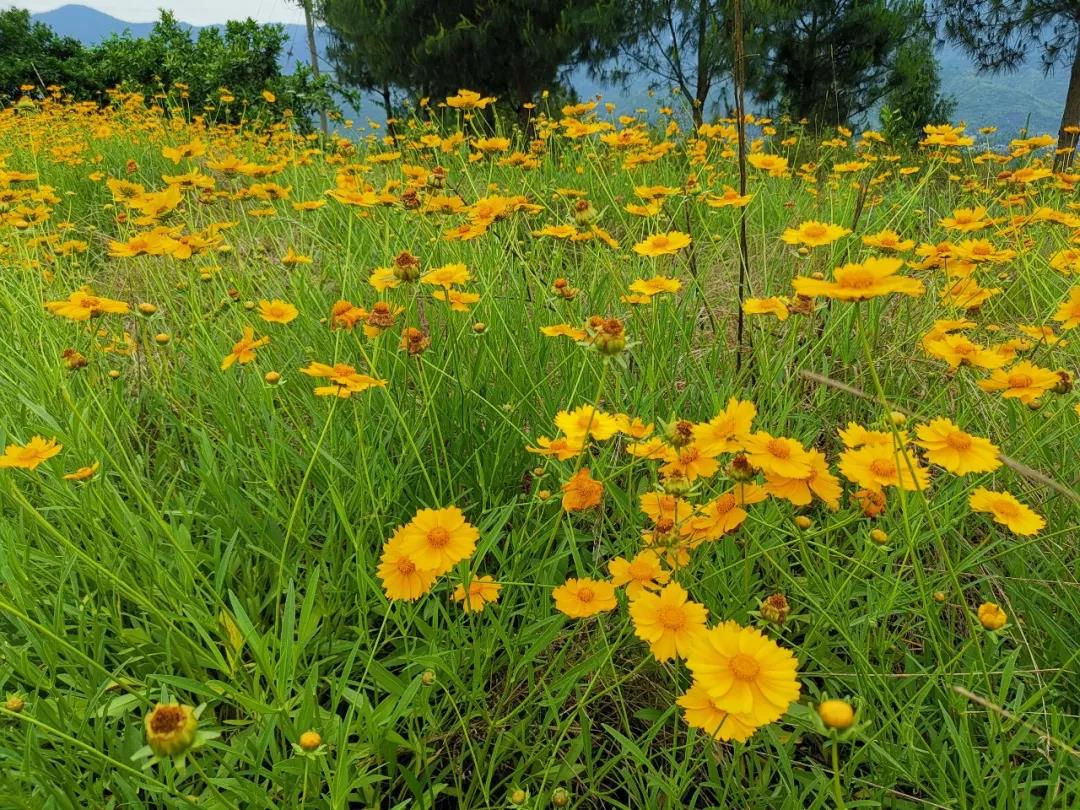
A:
[462,467]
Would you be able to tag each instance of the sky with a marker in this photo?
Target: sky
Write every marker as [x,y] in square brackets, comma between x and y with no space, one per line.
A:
[196,12]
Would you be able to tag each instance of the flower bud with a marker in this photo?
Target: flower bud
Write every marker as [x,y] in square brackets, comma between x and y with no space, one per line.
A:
[147,309]
[428,677]
[14,704]
[836,714]
[170,728]
[991,616]
[803,522]
[272,378]
[879,537]
[310,740]
[775,608]
[560,797]
[161,339]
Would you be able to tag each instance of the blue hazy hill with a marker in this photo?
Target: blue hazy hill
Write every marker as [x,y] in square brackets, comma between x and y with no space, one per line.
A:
[1009,101]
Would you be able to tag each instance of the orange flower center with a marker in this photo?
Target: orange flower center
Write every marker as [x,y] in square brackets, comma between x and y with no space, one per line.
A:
[779,448]
[640,571]
[725,503]
[857,278]
[814,230]
[1019,380]
[166,719]
[959,441]
[405,566]
[882,467]
[660,242]
[1006,509]
[438,537]
[671,617]
[744,667]
[585,594]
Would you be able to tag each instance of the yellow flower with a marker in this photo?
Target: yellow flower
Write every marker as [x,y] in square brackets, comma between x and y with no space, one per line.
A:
[447,276]
[81,306]
[874,466]
[564,330]
[641,574]
[775,165]
[766,306]
[691,463]
[482,591]
[561,448]
[1007,510]
[344,380]
[29,456]
[744,672]
[243,351]
[662,244]
[656,285]
[292,258]
[580,598]
[956,450]
[801,490]
[402,578]
[668,621]
[991,616]
[888,240]
[438,539]
[730,197]
[1024,381]
[584,421]
[967,219]
[277,311]
[83,473]
[170,728]
[459,301]
[724,514]
[814,234]
[581,492]
[702,712]
[1068,313]
[777,455]
[858,282]
[469,100]
[726,431]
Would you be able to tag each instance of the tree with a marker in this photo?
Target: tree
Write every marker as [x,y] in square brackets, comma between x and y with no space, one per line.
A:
[508,48]
[35,55]
[913,97]
[999,35]
[682,43]
[829,61]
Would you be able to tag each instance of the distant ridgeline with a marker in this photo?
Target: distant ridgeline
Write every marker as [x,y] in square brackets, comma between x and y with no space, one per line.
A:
[1024,99]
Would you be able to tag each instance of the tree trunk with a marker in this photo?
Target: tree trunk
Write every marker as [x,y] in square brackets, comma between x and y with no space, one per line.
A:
[704,77]
[309,21]
[1070,117]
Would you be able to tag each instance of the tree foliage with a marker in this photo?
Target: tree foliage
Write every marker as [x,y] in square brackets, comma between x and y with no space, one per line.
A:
[830,60]
[508,48]
[999,35]
[239,60]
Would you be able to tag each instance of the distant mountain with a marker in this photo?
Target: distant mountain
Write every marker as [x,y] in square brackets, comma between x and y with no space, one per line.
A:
[1013,101]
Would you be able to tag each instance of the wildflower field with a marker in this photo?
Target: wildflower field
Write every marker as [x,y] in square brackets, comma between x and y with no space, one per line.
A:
[589,465]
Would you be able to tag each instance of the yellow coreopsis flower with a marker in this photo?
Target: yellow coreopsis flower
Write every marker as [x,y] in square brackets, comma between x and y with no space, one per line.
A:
[28,456]
[662,244]
[1007,510]
[861,281]
[668,621]
[438,539]
[814,234]
[956,450]
[745,673]
[581,598]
